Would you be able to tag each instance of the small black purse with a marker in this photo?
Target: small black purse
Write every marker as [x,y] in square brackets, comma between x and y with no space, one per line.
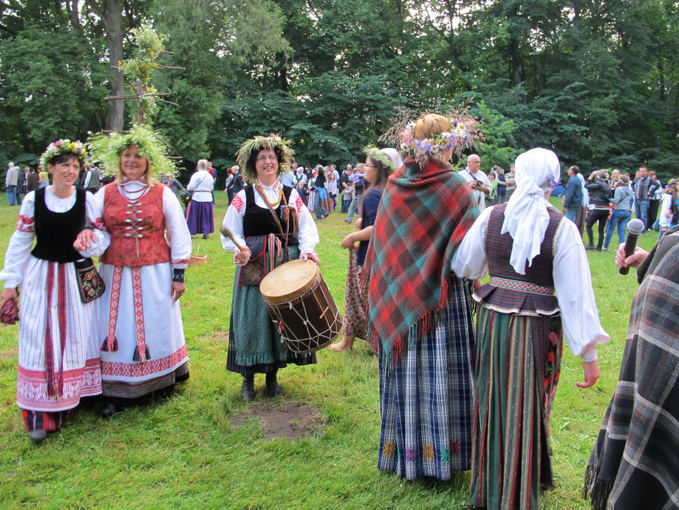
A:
[90,283]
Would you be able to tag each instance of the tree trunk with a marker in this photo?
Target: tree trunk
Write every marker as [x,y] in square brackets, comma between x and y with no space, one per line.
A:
[113,21]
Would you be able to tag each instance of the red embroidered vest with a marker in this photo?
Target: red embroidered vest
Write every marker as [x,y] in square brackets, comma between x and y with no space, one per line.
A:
[137,230]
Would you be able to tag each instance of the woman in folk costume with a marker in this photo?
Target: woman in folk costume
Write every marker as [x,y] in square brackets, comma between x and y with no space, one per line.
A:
[420,317]
[140,323]
[379,165]
[272,225]
[199,214]
[635,461]
[531,251]
[58,351]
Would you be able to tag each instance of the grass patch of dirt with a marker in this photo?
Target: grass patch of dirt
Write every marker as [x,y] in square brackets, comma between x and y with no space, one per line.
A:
[288,419]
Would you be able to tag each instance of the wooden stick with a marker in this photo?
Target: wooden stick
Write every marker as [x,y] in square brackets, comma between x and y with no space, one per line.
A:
[227,233]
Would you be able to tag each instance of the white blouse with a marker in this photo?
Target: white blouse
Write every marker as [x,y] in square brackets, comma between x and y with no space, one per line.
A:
[572,282]
[21,243]
[233,220]
[201,184]
[176,231]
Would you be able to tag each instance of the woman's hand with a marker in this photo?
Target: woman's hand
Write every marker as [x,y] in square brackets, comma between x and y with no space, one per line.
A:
[8,294]
[242,256]
[84,239]
[591,371]
[348,242]
[310,255]
[178,289]
[358,223]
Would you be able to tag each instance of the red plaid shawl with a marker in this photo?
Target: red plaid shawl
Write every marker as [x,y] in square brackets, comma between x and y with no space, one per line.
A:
[423,216]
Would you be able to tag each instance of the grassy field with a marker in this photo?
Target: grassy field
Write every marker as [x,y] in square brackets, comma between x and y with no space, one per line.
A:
[184,449]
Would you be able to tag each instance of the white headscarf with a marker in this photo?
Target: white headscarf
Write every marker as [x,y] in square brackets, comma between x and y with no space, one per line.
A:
[526,216]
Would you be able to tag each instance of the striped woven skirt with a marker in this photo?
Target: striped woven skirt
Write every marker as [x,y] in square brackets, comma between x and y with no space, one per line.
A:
[517,368]
[426,401]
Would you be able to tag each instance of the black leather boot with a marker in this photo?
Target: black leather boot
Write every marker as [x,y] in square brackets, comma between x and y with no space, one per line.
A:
[248,389]
[272,387]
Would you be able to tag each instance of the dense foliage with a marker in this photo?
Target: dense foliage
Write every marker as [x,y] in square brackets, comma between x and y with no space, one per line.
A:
[596,81]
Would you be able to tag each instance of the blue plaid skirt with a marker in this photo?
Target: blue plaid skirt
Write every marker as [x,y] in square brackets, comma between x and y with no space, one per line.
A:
[426,402]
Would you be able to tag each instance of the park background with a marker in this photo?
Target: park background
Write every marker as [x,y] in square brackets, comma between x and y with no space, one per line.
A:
[598,82]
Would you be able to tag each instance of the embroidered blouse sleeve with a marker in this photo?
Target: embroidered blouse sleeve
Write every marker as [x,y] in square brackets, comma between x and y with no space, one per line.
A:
[470,260]
[177,231]
[233,220]
[573,285]
[94,207]
[20,244]
[308,233]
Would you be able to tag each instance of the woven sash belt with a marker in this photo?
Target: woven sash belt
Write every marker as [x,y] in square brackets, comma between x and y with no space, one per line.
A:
[531,288]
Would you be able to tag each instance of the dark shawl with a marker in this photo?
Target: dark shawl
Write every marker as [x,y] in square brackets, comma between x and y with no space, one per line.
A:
[635,462]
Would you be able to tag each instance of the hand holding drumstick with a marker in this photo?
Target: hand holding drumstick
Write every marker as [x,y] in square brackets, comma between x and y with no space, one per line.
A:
[242,253]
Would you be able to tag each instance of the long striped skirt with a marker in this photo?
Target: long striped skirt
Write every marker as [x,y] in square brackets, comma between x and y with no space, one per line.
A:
[517,369]
[426,401]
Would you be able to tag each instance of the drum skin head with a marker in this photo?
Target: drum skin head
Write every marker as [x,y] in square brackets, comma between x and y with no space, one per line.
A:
[288,281]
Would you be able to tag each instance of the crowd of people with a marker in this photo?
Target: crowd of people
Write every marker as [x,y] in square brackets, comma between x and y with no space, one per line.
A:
[467,372]
[608,199]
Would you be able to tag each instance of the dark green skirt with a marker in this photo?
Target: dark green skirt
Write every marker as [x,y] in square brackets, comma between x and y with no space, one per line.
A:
[254,341]
[518,361]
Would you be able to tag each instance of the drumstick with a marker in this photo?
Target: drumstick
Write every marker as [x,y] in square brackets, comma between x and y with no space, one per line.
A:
[227,233]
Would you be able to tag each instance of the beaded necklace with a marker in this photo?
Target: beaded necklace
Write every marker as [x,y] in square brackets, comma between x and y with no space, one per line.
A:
[259,189]
[133,190]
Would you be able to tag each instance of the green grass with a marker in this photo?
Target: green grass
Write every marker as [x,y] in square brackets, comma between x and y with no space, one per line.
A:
[182,450]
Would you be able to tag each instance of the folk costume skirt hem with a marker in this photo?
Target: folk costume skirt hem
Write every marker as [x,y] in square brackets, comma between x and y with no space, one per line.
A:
[426,401]
[518,361]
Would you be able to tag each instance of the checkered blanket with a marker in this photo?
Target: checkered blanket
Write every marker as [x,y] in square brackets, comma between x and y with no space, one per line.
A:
[423,216]
[635,462]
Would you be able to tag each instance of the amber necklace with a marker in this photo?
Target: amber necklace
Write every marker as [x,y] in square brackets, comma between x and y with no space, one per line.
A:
[263,195]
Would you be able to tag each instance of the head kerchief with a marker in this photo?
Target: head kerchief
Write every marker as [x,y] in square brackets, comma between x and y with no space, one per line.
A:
[526,216]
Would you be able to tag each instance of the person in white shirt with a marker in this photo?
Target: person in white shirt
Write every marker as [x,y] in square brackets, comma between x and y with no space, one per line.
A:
[199,214]
[480,185]
[261,219]
[540,288]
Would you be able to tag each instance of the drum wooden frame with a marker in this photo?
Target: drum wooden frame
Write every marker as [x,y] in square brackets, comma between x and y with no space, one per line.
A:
[300,304]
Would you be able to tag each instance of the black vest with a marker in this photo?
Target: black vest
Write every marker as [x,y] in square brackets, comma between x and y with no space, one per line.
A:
[56,232]
[258,221]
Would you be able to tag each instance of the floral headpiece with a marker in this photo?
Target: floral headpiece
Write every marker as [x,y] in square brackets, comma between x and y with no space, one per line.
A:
[381,156]
[272,142]
[64,146]
[106,148]
[463,133]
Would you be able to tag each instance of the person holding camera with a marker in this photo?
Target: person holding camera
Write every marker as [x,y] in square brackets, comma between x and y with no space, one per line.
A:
[480,185]
[599,193]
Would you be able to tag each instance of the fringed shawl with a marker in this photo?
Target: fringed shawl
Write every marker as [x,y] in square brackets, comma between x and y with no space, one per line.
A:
[635,462]
[422,218]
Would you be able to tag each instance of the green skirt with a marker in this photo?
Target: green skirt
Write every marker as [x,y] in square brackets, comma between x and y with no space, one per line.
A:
[518,361]
[255,344]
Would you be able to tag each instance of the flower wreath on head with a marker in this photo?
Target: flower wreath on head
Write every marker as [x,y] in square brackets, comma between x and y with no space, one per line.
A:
[63,146]
[107,147]
[382,157]
[464,132]
[272,142]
